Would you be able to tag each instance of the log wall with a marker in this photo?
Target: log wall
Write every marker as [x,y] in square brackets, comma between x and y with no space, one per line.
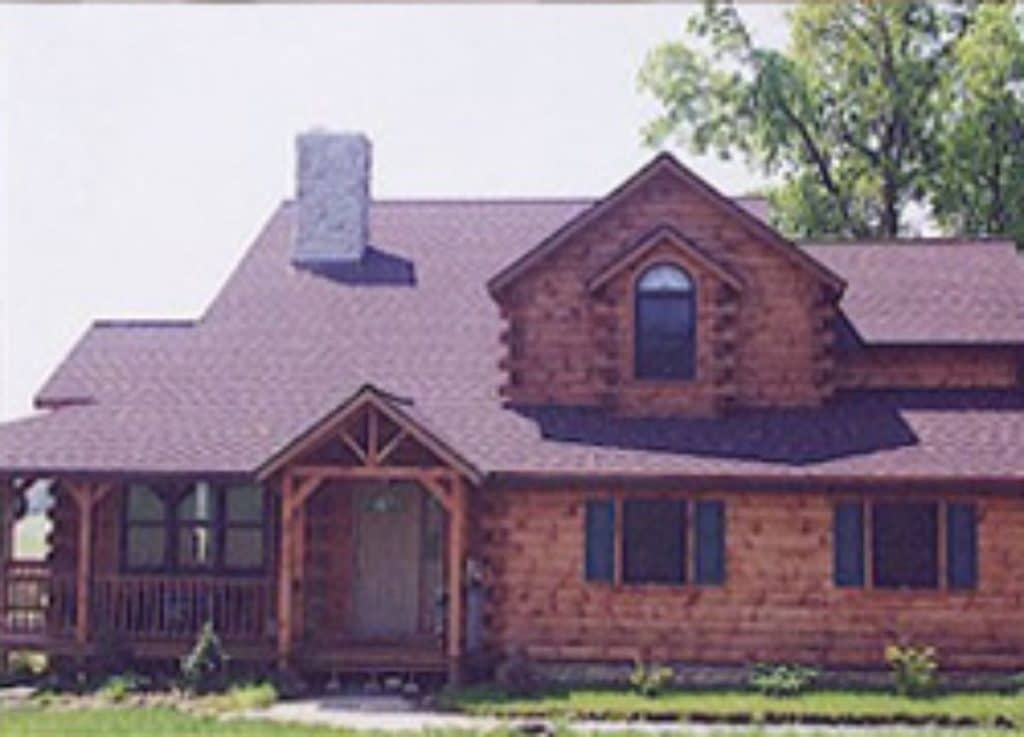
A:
[778,603]
[564,346]
[931,367]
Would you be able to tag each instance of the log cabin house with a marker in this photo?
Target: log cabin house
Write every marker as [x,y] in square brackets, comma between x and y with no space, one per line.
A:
[410,433]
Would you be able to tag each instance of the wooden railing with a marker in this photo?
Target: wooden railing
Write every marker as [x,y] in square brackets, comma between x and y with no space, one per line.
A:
[34,603]
[176,607]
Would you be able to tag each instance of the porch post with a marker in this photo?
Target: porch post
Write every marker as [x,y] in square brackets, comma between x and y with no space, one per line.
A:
[456,576]
[284,584]
[85,496]
[7,503]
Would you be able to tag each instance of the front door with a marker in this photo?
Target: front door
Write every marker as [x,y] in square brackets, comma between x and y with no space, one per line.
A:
[388,524]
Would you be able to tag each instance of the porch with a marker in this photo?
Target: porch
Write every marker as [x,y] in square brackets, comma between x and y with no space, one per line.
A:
[363,569]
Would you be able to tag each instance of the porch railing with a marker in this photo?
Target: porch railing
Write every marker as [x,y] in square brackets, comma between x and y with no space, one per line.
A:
[172,607]
[34,602]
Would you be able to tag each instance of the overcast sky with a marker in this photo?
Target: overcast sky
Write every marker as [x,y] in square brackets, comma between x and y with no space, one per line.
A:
[145,146]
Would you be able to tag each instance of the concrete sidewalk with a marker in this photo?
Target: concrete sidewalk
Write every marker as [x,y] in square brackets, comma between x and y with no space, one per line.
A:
[396,714]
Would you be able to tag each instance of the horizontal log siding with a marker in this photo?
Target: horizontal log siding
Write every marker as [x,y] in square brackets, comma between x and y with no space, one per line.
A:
[936,367]
[778,603]
[561,349]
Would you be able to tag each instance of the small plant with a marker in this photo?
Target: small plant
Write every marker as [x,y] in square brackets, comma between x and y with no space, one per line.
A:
[1015,683]
[516,674]
[914,669]
[204,669]
[120,687]
[650,679]
[245,697]
[782,680]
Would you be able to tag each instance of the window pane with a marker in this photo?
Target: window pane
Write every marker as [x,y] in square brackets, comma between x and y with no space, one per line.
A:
[600,542]
[245,503]
[653,541]
[665,278]
[146,547]
[905,545]
[848,544]
[243,548]
[710,523]
[664,333]
[199,504]
[196,546]
[962,546]
[144,505]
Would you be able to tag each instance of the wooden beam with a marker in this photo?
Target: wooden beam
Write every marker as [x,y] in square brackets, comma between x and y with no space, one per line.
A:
[354,446]
[84,496]
[372,437]
[302,492]
[456,575]
[413,473]
[392,445]
[285,569]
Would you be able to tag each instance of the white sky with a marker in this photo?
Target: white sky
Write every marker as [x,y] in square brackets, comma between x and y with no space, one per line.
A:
[144,146]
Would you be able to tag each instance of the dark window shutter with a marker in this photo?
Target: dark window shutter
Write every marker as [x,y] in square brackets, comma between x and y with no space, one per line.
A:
[600,532]
[710,542]
[848,544]
[961,546]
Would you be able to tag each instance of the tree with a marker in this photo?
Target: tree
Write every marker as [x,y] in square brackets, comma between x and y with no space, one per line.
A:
[854,118]
[979,187]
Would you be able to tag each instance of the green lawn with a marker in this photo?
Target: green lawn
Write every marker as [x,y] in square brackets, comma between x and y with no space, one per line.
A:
[158,723]
[30,537]
[704,705]
[140,723]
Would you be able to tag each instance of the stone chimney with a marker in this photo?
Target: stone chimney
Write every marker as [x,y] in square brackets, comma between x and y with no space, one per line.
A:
[333,193]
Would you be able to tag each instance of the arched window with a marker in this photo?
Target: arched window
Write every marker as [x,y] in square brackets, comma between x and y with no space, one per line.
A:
[666,345]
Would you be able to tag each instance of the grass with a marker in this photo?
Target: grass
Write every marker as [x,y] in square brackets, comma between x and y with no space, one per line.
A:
[244,697]
[30,537]
[141,723]
[164,723]
[982,708]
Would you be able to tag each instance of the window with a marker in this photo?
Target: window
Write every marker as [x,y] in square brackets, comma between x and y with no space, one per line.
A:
[145,528]
[200,527]
[665,324]
[196,528]
[905,545]
[243,529]
[653,537]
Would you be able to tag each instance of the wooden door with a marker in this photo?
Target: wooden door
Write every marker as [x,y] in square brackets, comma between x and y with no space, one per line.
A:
[386,591]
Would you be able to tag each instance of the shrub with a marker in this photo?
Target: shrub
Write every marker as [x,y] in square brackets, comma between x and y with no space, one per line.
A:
[782,680]
[914,669]
[118,688]
[1015,683]
[650,680]
[516,674]
[204,669]
[245,696]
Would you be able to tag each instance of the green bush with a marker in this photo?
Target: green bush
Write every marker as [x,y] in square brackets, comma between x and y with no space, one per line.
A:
[914,669]
[650,680]
[118,688]
[782,680]
[204,669]
[245,696]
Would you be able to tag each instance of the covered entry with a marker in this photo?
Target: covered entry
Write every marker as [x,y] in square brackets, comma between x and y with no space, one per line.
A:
[373,544]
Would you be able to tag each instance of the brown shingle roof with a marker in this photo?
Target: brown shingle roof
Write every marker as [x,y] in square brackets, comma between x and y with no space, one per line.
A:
[280,347]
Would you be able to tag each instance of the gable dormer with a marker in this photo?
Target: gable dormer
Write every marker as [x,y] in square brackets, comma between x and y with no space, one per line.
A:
[666,297]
